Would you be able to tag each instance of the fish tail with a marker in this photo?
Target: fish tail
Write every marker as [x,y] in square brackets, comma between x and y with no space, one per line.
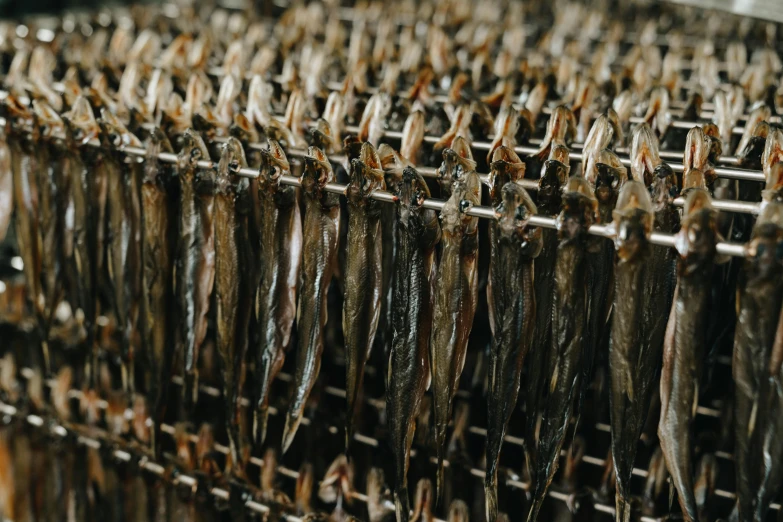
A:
[491,496]
[402,504]
[538,501]
[351,413]
[292,421]
[441,449]
[260,419]
[622,508]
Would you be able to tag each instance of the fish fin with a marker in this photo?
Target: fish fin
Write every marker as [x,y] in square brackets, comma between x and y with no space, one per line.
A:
[289,432]
[753,415]
[402,504]
[538,501]
[491,496]
[622,509]
[260,418]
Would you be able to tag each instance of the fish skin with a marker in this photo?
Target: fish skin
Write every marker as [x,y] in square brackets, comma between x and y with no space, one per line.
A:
[455,301]
[229,275]
[26,164]
[607,178]
[548,203]
[760,295]
[363,274]
[408,374]
[195,258]
[320,232]
[280,252]
[632,359]
[513,250]
[83,247]
[684,344]
[124,256]
[159,211]
[569,312]
[6,187]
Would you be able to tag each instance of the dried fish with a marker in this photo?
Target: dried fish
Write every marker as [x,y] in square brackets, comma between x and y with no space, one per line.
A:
[632,359]
[513,311]
[455,299]
[229,272]
[195,257]
[321,230]
[755,340]
[363,277]
[280,249]
[569,312]
[685,343]
[408,375]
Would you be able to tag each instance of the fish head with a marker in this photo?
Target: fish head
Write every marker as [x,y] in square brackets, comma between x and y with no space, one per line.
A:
[364,180]
[507,154]
[232,160]
[274,163]
[81,121]
[579,208]
[456,161]
[322,136]
[562,124]
[601,135]
[48,119]
[317,171]
[644,154]
[259,97]
[193,149]
[352,146]
[243,129]
[664,188]
[413,191]
[553,177]
[633,220]
[338,481]
[765,249]
[697,238]
[773,192]
[514,213]
[608,182]
[716,145]
[125,138]
[751,154]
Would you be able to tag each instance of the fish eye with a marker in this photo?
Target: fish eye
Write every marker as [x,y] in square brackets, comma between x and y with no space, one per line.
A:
[195,154]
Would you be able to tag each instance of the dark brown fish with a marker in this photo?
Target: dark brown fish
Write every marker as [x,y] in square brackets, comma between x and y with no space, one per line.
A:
[408,375]
[320,232]
[684,344]
[195,258]
[755,372]
[569,312]
[123,245]
[513,310]
[27,164]
[280,253]
[363,277]
[632,360]
[159,212]
[229,275]
[455,301]
[548,202]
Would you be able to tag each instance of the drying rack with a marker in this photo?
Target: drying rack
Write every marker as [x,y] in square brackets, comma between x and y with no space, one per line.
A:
[126,452]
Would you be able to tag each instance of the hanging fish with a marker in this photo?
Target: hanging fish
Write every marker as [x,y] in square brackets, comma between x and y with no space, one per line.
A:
[632,360]
[455,300]
[684,344]
[159,212]
[195,257]
[513,310]
[321,229]
[363,277]
[760,299]
[408,375]
[280,252]
[569,312]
